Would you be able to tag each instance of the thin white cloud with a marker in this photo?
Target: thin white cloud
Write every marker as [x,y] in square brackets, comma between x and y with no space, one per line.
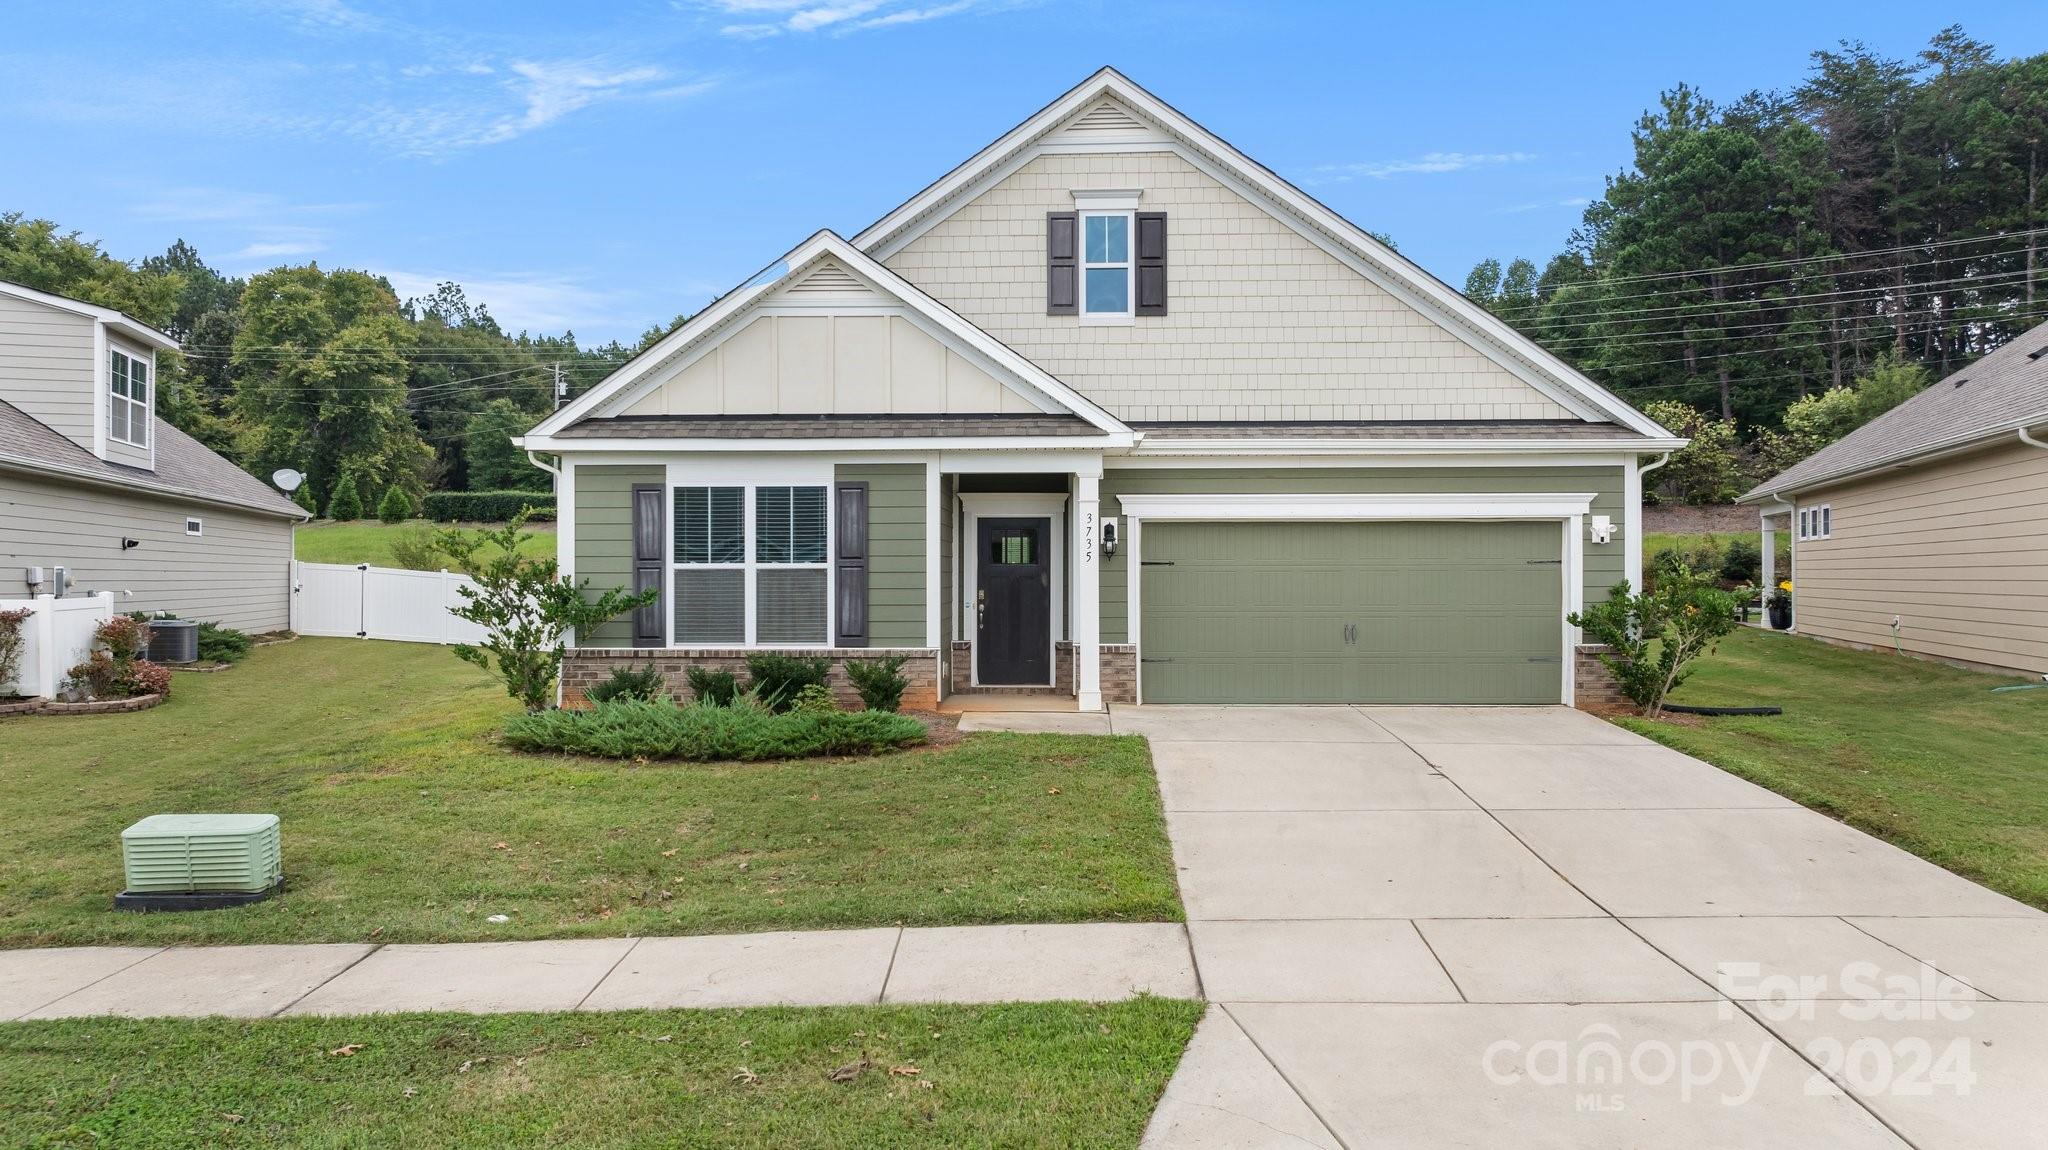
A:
[272,250]
[761,19]
[540,92]
[916,15]
[334,14]
[1429,163]
[1540,205]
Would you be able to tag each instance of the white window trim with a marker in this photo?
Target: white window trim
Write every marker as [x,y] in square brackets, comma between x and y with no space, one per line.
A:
[978,505]
[194,525]
[1816,521]
[1129,264]
[747,480]
[1567,509]
[147,403]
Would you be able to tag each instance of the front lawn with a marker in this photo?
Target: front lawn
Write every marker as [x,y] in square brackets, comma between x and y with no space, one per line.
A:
[1923,755]
[406,821]
[369,541]
[1050,1075]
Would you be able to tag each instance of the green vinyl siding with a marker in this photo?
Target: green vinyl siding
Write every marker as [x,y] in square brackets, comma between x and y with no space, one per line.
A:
[604,539]
[1307,612]
[1603,563]
[896,550]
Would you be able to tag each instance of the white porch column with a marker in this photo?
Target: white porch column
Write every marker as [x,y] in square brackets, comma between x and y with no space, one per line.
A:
[1770,549]
[1086,605]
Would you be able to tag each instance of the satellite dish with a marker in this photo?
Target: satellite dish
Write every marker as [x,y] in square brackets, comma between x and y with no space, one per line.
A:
[287,480]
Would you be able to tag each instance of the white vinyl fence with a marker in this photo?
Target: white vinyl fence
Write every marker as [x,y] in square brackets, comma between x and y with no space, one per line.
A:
[365,602]
[58,637]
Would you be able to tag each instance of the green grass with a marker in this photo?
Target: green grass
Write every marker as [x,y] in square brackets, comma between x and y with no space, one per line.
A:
[1041,1075]
[1920,754]
[1656,541]
[406,820]
[369,541]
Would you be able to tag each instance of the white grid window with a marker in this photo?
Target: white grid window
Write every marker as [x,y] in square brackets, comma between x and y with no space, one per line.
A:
[751,566]
[1816,522]
[128,406]
[1106,264]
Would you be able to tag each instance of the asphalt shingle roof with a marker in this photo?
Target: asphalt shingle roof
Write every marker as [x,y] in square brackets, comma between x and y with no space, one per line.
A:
[184,466]
[824,426]
[1391,429]
[2001,392]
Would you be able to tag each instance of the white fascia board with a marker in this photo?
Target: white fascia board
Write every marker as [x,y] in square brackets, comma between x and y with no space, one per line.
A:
[1207,447]
[106,315]
[625,445]
[1366,255]
[1969,441]
[1477,505]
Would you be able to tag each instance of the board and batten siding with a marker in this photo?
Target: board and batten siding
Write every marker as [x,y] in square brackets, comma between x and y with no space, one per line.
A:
[47,366]
[1957,550]
[604,539]
[236,572]
[1604,564]
[1261,324]
[896,550]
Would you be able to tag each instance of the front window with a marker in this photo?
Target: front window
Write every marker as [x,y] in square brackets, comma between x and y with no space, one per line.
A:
[128,407]
[1106,263]
[751,566]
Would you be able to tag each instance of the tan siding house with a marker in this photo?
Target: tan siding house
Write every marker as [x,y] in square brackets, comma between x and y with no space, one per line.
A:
[93,483]
[1108,413]
[1926,531]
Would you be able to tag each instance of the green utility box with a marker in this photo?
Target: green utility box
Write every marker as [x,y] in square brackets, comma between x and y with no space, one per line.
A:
[200,862]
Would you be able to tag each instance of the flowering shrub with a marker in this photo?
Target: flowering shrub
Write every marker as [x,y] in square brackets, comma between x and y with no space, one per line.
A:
[124,637]
[1653,636]
[115,669]
[147,678]
[1781,595]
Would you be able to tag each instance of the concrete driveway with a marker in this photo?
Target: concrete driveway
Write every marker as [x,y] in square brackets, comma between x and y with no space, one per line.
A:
[1480,927]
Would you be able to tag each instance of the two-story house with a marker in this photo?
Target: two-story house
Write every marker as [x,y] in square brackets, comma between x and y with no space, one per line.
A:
[1108,411]
[93,482]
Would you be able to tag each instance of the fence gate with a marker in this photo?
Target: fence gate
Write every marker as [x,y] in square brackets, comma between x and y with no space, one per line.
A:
[365,602]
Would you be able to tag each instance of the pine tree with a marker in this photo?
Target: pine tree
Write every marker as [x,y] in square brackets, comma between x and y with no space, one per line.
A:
[345,504]
[304,498]
[396,506]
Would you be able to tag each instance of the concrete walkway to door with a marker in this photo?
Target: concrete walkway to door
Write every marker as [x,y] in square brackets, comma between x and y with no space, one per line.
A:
[1436,927]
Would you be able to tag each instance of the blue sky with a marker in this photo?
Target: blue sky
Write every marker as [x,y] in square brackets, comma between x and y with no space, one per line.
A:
[603,170]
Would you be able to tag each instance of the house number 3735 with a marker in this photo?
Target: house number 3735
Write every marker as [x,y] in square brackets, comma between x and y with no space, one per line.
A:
[1088,538]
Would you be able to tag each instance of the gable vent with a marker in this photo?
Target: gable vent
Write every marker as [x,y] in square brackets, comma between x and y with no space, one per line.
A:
[1105,117]
[828,278]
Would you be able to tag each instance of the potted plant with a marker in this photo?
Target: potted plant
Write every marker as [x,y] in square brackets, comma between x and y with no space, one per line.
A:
[1778,605]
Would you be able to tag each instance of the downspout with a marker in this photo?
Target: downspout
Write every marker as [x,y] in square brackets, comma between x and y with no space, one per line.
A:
[1661,461]
[2030,441]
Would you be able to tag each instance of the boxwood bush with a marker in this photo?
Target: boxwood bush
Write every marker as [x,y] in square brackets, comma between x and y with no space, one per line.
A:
[485,506]
[631,729]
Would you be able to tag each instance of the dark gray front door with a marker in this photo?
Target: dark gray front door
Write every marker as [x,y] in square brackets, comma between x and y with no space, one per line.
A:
[1013,613]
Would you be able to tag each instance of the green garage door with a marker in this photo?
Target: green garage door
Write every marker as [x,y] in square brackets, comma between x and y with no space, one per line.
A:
[1351,613]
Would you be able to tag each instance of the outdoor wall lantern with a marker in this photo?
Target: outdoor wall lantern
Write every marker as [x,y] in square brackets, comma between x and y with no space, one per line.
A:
[128,544]
[1109,539]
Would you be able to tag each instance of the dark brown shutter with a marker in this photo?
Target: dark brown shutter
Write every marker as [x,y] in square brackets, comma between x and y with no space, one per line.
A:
[1062,263]
[850,564]
[648,521]
[1151,263]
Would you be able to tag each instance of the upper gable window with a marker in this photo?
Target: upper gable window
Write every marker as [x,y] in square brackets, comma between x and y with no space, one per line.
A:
[1106,264]
[128,406]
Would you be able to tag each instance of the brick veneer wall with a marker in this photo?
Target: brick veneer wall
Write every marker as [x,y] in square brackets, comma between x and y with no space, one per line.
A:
[583,669]
[960,669]
[1595,684]
[1119,664]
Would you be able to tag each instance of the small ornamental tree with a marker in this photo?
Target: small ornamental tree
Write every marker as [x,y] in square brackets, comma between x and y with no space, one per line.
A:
[346,503]
[12,643]
[1653,636]
[525,607]
[304,498]
[396,506]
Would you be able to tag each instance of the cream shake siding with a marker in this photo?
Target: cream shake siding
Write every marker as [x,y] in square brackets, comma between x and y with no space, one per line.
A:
[47,366]
[1261,324]
[236,572]
[1957,550]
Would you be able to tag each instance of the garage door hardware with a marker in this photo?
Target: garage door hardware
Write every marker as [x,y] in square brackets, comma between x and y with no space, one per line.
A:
[1155,562]
[1546,658]
[1543,562]
[1142,660]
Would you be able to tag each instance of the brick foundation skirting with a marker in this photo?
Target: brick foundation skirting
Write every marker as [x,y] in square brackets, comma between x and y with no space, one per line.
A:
[1594,683]
[585,668]
[1119,670]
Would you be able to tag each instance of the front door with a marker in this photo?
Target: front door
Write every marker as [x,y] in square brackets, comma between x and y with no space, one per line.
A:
[1013,606]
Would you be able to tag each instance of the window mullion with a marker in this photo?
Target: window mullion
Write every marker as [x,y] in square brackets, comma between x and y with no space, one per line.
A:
[748,560]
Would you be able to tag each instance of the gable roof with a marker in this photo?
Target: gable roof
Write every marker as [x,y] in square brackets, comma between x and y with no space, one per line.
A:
[620,388]
[185,467]
[1999,395]
[117,320]
[1082,108]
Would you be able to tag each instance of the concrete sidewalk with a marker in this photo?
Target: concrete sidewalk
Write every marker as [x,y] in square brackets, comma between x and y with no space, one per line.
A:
[966,964]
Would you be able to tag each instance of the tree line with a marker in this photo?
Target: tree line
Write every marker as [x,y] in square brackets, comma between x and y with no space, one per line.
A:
[327,372]
[1881,221]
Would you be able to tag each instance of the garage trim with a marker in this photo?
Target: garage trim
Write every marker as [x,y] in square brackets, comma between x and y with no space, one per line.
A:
[1569,510]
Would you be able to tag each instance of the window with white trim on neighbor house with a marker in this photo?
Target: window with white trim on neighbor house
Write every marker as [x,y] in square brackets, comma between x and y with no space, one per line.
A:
[1106,263]
[751,566]
[128,408]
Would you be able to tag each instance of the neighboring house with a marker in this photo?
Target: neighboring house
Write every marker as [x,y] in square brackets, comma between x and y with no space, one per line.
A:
[93,482]
[1108,411]
[1928,526]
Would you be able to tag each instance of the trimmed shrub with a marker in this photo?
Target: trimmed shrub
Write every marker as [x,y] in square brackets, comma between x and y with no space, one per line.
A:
[124,636]
[1742,563]
[147,678]
[778,678]
[880,685]
[396,506]
[99,677]
[703,733]
[815,699]
[304,498]
[345,504]
[218,644]
[643,683]
[713,688]
[486,506]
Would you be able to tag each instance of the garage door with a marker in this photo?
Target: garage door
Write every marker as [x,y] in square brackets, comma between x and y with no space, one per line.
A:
[1456,612]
